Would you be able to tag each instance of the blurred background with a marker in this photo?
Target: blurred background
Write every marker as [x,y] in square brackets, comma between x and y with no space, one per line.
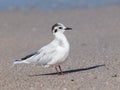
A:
[53,4]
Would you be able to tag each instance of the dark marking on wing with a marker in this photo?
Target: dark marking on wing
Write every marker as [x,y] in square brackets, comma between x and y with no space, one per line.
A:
[28,56]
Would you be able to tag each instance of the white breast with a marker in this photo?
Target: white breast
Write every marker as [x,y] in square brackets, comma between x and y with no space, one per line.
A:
[62,50]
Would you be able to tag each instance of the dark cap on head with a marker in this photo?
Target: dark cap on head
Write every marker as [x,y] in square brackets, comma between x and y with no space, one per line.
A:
[54,26]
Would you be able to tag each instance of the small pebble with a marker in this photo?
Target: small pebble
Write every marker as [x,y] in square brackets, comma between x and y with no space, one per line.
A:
[115,75]
[72,79]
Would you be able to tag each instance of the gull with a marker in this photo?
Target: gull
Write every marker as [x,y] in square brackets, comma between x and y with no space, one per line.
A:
[52,54]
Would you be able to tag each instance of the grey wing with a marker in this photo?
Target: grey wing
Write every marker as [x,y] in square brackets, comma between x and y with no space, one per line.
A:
[47,53]
[29,56]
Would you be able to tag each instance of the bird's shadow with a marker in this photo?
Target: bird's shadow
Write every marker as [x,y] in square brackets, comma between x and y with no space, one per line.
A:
[71,71]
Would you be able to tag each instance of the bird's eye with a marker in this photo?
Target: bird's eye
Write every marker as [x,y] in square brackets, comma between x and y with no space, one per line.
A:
[60,27]
[55,30]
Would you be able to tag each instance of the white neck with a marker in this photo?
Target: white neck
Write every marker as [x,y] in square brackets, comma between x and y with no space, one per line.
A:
[61,39]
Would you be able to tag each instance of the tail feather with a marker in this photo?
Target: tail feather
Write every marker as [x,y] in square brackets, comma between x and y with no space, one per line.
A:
[25,59]
[19,61]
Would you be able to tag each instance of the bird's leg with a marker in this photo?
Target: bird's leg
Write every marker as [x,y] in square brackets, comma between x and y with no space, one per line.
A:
[61,72]
[56,69]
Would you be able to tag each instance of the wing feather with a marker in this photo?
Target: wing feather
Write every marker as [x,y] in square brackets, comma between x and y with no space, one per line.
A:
[28,56]
[46,54]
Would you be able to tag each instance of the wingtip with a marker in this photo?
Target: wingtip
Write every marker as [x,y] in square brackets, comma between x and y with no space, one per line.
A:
[17,61]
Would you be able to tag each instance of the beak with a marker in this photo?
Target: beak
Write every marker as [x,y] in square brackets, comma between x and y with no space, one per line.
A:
[67,28]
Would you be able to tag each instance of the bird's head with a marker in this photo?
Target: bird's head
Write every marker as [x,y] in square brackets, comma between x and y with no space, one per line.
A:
[59,28]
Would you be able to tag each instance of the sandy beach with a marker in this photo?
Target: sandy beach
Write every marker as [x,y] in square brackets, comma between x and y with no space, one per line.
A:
[94,60]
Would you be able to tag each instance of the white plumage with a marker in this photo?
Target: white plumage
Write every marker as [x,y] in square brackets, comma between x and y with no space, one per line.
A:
[53,54]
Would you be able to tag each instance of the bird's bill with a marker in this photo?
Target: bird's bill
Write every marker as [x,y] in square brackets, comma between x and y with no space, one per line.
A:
[67,28]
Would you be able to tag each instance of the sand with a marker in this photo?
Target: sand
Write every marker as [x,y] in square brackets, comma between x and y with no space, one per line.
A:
[94,60]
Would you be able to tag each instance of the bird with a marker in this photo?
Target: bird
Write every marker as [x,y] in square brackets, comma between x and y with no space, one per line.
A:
[52,54]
